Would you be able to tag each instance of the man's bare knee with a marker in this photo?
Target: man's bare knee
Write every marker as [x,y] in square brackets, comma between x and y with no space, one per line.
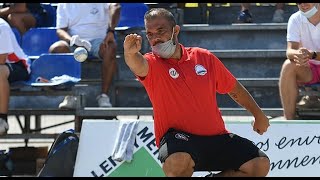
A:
[288,65]
[59,47]
[257,167]
[178,165]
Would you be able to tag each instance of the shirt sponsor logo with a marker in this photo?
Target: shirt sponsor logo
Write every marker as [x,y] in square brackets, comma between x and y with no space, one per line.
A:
[94,11]
[173,73]
[181,136]
[200,70]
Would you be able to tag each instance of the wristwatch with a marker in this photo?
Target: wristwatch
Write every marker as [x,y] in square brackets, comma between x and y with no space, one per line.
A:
[314,55]
[110,30]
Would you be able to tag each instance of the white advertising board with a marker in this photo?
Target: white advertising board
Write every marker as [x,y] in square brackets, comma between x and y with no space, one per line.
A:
[292,146]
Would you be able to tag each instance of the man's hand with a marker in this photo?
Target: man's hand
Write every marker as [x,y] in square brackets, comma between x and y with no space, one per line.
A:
[261,124]
[302,58]
[75,40]
[132,43]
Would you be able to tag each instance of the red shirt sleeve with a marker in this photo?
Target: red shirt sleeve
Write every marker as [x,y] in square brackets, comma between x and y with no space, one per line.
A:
[225,81]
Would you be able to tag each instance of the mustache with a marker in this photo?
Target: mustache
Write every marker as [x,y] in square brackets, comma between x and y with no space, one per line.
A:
[158,42]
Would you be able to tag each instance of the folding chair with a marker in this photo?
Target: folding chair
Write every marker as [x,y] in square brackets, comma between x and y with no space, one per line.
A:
[51,15]
[38,40]
[48,66]
[132,15]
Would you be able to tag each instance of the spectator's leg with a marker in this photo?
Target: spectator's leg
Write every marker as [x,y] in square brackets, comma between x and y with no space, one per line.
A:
[4,89]
[245,6]
[4,97]
[69,102]
[278,13]
[60,47]
[108,54]
[244,15]
[22,21]
[288,88]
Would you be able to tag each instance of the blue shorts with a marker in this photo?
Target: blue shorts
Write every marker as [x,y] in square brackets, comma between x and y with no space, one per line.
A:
[94,52]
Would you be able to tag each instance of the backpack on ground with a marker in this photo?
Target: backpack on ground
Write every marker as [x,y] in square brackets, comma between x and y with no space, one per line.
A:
[6,164]
[61,156]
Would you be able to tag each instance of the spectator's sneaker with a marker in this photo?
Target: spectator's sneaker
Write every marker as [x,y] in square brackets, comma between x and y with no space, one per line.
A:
[3,127]
[308,102]
[104,101]
[278,16]
[69,102]
[244,17]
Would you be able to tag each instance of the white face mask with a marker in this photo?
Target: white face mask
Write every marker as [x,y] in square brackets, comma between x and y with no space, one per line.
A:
[166,49]
[310,13]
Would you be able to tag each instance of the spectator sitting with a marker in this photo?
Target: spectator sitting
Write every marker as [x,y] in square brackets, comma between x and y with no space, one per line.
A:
[246,17]
[93,29]
[302,65]
[23,16]
[14,66]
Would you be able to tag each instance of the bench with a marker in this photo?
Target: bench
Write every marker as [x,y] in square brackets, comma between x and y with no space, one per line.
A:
[309,90]
[47,66]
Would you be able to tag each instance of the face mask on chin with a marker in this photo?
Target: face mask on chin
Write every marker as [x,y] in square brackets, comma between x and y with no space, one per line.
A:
[309,13]
[166,49]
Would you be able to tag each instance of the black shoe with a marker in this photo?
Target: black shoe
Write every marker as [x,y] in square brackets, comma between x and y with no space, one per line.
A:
[210,175]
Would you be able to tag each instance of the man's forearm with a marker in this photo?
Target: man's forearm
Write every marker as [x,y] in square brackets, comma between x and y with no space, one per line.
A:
[63,35]
[240,95]
[114,15]
[136,63]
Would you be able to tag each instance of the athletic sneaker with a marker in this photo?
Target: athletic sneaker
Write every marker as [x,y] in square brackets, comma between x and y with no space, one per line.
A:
[3,127]
[104,100]
[308,102]
[244,17]
[69,102]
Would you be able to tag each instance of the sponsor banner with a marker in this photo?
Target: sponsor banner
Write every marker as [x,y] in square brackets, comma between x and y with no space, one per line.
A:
[292,146]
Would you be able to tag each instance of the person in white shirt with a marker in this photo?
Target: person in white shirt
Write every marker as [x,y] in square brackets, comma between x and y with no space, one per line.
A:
[14,66]
[90,25]
[303,48]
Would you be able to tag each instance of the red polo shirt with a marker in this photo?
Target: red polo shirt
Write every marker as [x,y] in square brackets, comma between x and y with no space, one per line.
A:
[183,93]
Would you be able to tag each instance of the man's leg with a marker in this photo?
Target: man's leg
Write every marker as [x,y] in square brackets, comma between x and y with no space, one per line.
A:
[69,102]
[278,13]
[109,65]
[106,52]
[288,88]
[244,15]
[179,164]
[4,89]
[60,47]
[257,167]
[8,73]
